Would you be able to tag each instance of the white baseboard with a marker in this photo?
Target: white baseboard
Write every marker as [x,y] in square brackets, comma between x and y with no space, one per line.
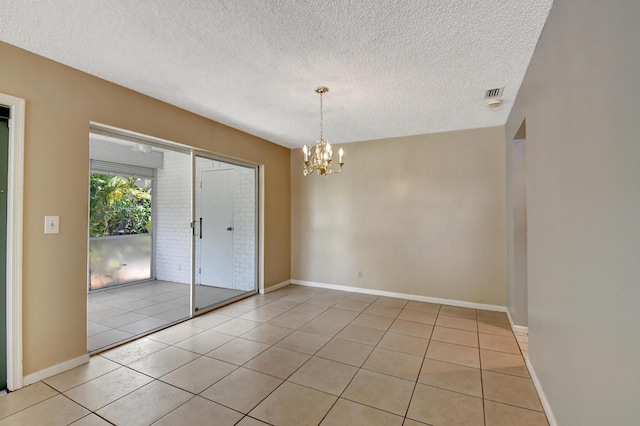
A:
[55,369]
[517,328]
[451,302]
[543,397]
[275,287]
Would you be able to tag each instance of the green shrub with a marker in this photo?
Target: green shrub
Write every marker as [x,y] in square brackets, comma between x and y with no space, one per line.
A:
[119,205]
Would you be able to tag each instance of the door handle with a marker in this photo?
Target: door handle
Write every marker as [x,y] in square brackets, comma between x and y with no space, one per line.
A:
[200,228]
[230,228]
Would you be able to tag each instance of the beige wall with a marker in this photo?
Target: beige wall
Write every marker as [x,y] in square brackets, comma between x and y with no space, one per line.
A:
[60,103]
[581,102]
[423,215]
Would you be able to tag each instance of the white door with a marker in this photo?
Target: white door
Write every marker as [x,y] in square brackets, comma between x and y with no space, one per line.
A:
[216,228]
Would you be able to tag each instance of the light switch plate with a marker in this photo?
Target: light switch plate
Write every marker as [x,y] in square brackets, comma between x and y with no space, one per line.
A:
[52,224]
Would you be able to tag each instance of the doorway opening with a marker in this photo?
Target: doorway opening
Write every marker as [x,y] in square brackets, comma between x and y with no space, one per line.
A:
[169,240]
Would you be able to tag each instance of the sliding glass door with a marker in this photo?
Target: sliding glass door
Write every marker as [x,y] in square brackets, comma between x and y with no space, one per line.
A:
[225,241]
[172,233]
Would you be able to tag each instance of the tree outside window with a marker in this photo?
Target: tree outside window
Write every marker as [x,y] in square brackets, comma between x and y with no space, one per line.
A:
[119,205]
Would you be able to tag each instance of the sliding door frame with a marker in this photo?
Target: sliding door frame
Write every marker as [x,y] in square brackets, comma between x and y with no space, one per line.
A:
[259,221]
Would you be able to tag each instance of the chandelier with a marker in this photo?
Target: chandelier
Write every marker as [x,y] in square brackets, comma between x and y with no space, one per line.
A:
[319,158]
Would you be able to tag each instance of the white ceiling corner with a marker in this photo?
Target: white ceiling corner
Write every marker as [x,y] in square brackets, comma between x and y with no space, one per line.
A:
[394,68]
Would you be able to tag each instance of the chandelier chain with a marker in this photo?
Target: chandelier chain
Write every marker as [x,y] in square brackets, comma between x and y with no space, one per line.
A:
[321,119]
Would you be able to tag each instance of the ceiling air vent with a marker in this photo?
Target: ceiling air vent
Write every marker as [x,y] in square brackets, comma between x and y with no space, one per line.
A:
[493,93]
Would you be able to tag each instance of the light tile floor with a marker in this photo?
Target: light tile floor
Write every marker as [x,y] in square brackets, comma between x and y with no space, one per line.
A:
[300,356]
[121,313]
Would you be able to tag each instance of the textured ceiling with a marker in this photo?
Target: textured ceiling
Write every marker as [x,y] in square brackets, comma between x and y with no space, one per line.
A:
[394,68]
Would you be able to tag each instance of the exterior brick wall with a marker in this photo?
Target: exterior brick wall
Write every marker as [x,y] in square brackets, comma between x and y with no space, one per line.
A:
[172,218]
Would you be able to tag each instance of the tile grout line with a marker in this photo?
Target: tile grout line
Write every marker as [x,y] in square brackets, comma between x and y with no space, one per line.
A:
[354,376]
[415,385]
[287,378]
[484,407]
[279,378]
[358,368]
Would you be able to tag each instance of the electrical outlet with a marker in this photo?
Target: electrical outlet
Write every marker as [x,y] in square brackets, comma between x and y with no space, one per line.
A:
[52,224]
[359,274]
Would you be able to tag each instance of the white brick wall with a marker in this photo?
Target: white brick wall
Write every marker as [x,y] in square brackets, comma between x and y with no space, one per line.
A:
[244,225]
[172,218]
